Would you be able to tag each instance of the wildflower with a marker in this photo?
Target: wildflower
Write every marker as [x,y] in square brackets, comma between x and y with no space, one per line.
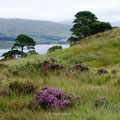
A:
[52,98]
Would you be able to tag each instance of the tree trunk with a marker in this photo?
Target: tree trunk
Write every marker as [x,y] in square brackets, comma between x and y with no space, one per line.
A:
[22,48]
[22,51]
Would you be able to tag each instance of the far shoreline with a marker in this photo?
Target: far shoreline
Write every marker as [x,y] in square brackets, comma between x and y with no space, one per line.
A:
[36,45]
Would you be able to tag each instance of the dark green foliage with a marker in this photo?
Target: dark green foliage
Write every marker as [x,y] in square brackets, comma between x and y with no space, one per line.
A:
[24,41]
[98,27]
[21,42]
[12,54]
[80,28]
[85,18]
[86,24]
[32,52]
[54,48]
[22,88]
[73,40]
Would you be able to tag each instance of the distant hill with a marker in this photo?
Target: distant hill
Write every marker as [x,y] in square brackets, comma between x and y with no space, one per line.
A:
[40,31]
[67,23]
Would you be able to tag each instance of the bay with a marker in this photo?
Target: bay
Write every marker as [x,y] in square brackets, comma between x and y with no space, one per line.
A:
[40,49]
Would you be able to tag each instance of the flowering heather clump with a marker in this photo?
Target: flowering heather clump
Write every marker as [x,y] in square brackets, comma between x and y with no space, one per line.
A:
[81,67]
[51,65]
[4,92]
[51,98]
[102,71]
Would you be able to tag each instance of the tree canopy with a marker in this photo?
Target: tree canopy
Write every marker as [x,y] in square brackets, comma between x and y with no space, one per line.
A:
[97,27]
[18,48]
[86,24]
[24,41]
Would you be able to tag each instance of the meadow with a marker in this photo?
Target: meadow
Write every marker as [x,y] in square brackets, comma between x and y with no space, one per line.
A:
[98,87]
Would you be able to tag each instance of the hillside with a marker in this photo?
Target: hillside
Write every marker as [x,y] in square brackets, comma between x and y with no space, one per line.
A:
[40,31]
[95,51]
[96,81]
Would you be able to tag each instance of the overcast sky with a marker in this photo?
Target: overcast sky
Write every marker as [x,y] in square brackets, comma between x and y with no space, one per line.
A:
[59,10]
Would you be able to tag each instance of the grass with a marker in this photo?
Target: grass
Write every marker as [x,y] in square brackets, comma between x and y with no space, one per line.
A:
[98,51]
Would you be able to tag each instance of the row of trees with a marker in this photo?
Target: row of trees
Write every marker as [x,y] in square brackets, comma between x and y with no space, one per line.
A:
[85,25]
[24,42]
[21,42]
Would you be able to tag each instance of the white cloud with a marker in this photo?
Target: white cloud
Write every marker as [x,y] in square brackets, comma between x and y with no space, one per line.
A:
[59,10]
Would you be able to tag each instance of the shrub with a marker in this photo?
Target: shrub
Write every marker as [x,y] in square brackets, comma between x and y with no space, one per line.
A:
[54,48]
[51,98]
[22,88]
[48,65]
[81,67]
[13,54]
[32,52]
[102,71]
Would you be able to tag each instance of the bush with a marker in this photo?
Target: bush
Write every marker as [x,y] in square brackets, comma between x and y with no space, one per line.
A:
[102,71]
[12,54]
[32,52]
[51,98]
[54,48]
[47,65]
[81,67]
[22,88]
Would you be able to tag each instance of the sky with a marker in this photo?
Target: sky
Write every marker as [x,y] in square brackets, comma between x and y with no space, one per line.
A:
[59,10]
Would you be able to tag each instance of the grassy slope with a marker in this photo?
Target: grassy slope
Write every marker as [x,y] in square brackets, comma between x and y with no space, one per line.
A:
[98,51]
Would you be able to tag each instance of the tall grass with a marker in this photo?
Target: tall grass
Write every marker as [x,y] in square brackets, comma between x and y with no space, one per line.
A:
[98,51]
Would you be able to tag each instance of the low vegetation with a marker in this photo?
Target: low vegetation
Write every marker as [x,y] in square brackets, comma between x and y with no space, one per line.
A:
[54,48]
[84,80]
[51,98]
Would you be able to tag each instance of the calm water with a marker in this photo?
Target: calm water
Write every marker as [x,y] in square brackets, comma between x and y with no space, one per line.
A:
[41,49]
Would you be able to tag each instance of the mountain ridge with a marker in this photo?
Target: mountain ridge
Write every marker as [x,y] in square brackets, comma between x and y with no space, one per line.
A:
[41,31]
[114,24]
